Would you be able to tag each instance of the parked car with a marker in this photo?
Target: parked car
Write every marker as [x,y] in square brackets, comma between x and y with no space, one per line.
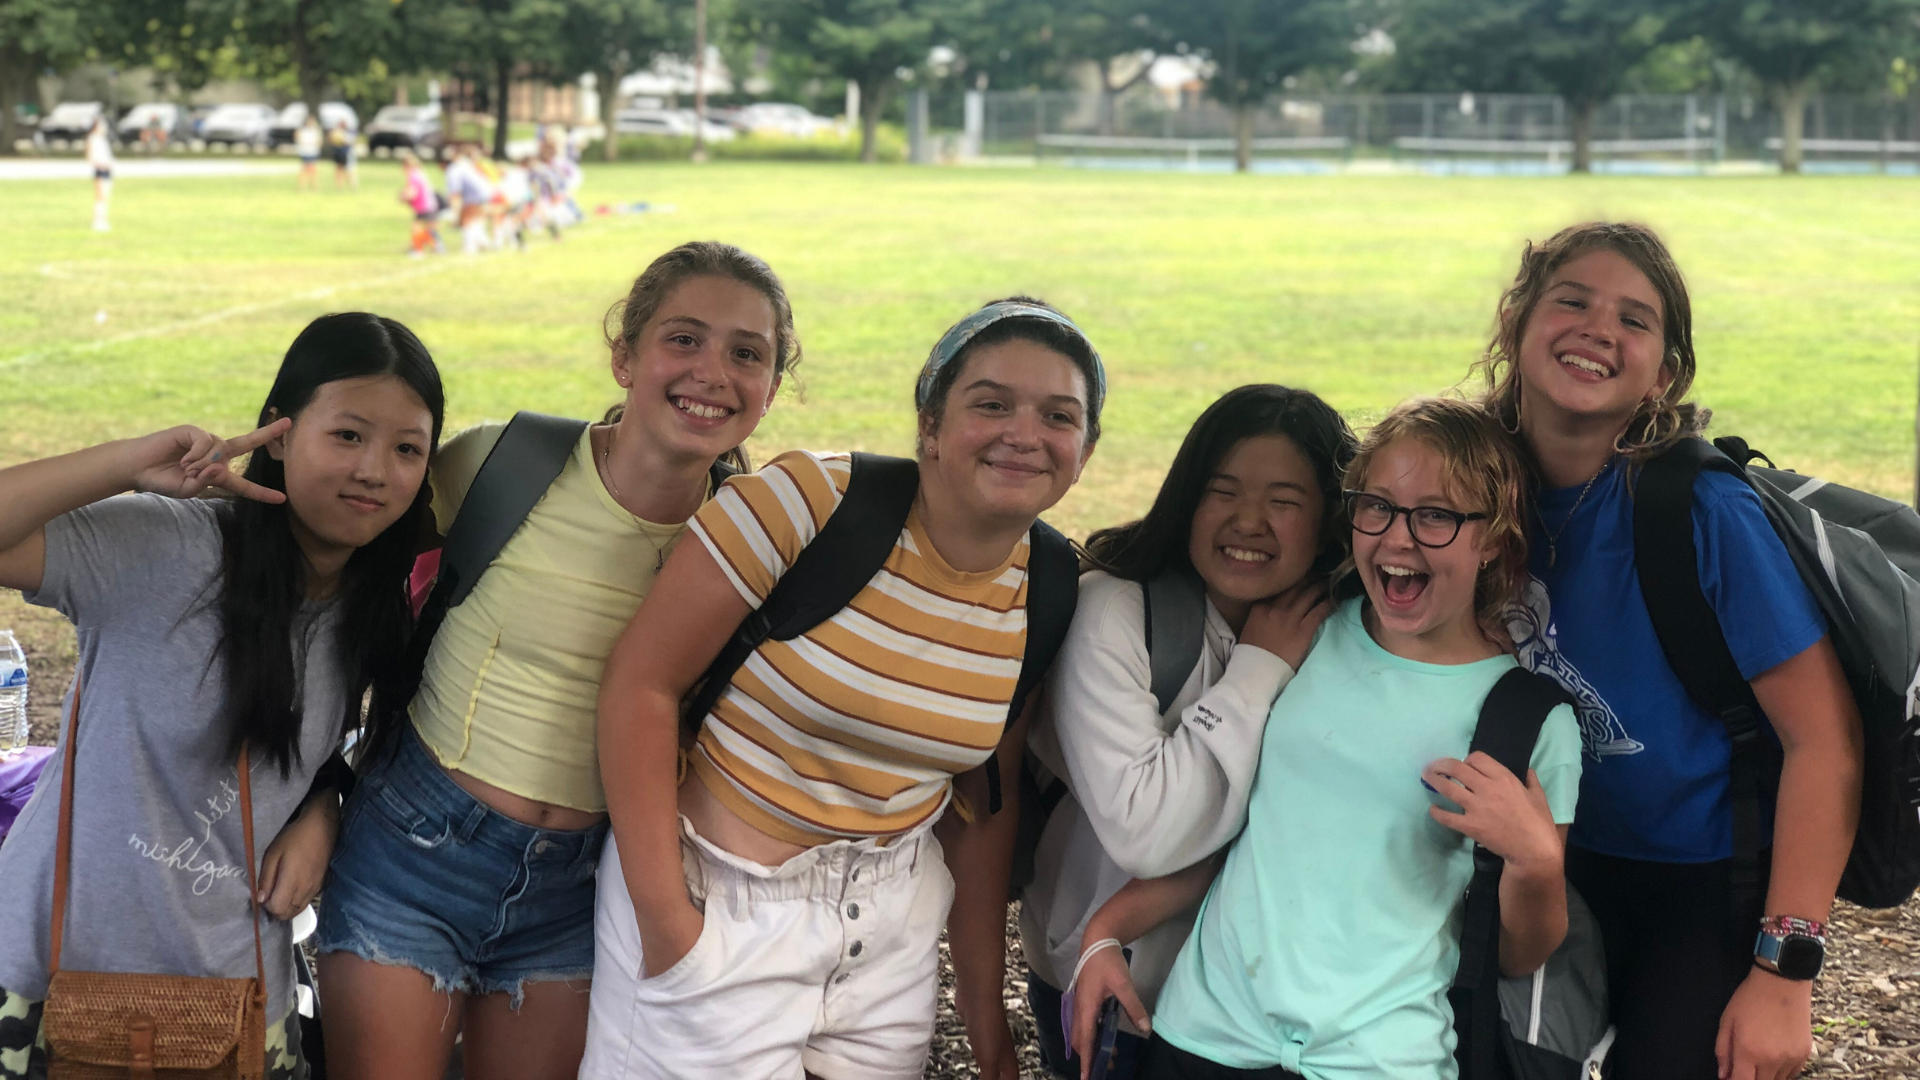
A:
[675,122]
[779,118]
[167,116]
[291,117]
[197,119]
[413,127]
[68,122]
[235,125]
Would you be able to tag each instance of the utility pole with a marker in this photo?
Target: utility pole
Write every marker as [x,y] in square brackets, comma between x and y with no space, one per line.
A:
[699,80]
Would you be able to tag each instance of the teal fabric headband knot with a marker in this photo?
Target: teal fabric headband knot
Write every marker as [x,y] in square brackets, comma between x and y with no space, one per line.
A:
[955,340]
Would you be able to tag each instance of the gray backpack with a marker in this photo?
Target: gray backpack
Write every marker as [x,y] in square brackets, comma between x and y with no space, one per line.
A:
[1859,555]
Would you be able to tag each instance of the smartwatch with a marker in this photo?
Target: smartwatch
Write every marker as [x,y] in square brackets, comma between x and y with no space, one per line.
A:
[1790,948]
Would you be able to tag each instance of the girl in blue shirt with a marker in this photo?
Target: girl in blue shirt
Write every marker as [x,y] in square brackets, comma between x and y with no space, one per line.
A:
[1591,362]
[1326,944]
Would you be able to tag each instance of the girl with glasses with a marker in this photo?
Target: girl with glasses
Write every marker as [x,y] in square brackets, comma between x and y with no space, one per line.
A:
[1328,934]
[1247,522]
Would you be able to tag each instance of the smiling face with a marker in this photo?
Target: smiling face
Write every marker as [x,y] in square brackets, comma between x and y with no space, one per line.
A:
[354,459]
[701,373]
[1012,437]
[1257,529]
[1422,598]
[1593,344]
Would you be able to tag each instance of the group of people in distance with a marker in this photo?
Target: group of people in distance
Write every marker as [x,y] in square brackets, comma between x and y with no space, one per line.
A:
[494,204]
[542,856]
[341,143]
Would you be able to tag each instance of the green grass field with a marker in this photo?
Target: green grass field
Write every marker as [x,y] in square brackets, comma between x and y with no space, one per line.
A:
[1366,289]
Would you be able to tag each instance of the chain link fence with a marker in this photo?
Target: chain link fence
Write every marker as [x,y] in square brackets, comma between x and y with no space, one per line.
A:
[1505,133]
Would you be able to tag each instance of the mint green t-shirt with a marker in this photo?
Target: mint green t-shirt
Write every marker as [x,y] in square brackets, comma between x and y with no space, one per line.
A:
[1327,943]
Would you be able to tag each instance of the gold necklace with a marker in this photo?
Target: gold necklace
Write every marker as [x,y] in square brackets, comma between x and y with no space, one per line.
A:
[1553,535]
[606,471]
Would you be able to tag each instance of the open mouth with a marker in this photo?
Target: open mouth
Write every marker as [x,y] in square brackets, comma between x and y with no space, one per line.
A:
[1401,586]
[700,409]
[1247,556]
[1586,364]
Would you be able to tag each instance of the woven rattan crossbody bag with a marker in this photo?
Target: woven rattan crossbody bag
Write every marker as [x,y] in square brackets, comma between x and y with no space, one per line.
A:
[110,1025]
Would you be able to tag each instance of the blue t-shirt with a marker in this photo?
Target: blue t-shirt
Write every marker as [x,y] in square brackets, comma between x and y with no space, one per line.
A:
[1656,779]
[1327,943]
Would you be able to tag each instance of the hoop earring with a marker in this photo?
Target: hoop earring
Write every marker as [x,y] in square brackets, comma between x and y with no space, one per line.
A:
[1662,423]
[1515,429]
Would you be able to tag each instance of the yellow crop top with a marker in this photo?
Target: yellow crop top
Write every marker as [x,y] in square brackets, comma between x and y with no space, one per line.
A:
[511,682]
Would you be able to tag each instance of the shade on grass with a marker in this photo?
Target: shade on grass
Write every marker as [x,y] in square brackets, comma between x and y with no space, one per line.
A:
[1366,289]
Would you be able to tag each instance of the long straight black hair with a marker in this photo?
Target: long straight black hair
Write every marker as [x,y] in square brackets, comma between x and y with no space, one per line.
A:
[1140,550]
[264,584]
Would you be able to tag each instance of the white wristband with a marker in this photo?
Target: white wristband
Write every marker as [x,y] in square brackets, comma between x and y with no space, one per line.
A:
[1085,954]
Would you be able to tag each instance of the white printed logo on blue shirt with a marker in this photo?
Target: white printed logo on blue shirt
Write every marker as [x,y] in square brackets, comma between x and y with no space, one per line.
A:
[1537,641]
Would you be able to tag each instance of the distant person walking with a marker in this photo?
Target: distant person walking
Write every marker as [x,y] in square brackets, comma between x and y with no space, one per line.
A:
[420,198]
[100,159]
[340,141]
[469,192]
[307,142]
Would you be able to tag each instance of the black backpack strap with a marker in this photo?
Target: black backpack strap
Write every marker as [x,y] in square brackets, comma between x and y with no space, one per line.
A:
[515,476]
[1176,606]
[1053,588]
[828,573]
[1695,647]
[1509,726]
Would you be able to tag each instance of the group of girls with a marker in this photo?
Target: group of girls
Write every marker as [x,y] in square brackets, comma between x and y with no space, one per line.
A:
[780,869]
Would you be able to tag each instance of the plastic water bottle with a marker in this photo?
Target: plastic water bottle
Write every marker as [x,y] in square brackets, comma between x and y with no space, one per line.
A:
[13,694]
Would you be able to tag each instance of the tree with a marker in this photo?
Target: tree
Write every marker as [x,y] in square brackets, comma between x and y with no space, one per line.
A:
[1582,50]
[318,42]
[496,40]
[1254,46]
[1120,38]
[866,42]
[1791,45]
[612,38]
[36,34]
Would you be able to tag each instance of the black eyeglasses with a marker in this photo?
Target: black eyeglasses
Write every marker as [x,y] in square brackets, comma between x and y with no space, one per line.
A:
[1430,526]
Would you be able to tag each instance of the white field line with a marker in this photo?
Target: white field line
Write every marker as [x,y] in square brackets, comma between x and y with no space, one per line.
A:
[96,345]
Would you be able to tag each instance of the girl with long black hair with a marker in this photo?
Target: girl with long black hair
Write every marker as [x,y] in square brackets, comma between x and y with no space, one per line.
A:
[1247,519]
[259,621]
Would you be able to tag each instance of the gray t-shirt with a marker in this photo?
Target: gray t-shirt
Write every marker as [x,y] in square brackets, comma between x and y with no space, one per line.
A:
[159,882]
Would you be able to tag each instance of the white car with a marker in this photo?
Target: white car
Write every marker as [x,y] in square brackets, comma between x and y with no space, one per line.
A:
[69,121]
[294,115]
[164,115]
[400,127]
[234,124]
[677,122]
[795,121]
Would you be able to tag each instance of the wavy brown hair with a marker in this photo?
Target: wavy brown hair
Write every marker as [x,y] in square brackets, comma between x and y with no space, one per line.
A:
[702,258]
[1483,473]
[1656,424]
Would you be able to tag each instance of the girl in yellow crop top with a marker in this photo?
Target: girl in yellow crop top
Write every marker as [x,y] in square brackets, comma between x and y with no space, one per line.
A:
[461,896]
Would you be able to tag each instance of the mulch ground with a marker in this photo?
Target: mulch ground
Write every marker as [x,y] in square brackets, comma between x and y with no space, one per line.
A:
[1865,1008]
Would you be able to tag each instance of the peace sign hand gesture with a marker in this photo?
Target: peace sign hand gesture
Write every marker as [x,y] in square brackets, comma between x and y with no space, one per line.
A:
[182,462]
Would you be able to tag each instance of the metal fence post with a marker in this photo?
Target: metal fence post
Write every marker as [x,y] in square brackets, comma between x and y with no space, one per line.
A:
[919,140]
[975,124]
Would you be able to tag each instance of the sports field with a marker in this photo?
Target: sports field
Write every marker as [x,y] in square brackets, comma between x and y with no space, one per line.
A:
[1366,289]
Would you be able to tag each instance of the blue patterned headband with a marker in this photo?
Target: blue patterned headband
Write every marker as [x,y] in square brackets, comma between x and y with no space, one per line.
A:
[964,331]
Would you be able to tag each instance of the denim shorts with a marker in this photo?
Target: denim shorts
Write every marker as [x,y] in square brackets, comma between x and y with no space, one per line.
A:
[426,876]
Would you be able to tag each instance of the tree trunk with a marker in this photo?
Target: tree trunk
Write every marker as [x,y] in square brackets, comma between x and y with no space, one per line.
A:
[502,73]
[1791,98]
[305,64]
[610,109]
[12,64]
[1582,123]
[873,100]
[1107,94]
[1243,136]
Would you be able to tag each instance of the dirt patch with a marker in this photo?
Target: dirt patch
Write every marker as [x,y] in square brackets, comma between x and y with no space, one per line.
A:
[1866,1010]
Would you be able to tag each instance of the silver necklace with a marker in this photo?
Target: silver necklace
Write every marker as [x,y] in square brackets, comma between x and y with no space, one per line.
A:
[1554,535]
[606,470]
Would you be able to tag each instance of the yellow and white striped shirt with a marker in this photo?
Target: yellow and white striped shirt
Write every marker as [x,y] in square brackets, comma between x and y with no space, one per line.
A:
[857,727]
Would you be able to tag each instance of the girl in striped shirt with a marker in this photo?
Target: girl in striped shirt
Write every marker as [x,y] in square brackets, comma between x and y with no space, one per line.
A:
[819,860]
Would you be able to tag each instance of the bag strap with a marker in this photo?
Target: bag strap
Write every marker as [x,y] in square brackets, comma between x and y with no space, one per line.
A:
[1695,646]
[63,852]
[1176,610]
[1508,728]
[827,574]
[1053,589]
